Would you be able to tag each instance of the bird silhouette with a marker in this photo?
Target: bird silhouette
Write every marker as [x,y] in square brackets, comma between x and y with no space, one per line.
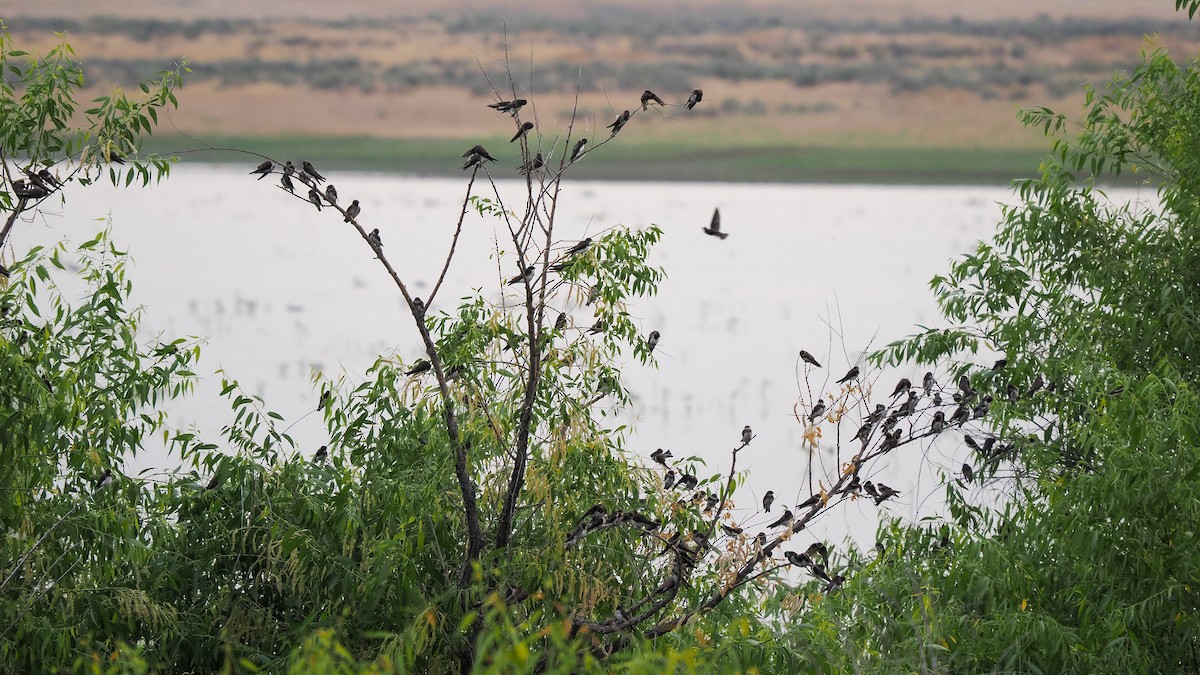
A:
[619,123]
[311,171]
[263,170]
[523,276]
[648,96]
[315,197]
[522,132]
[808,358]
[578,149]
[375,240]
[768,500]
[510,107]
[331,194]
[714,227]
[901,386]
[850,375]
[352,211]
[747,434]
[696,97]
[652,340]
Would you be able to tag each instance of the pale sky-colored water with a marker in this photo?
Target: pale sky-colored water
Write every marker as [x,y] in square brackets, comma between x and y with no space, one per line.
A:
[277,288]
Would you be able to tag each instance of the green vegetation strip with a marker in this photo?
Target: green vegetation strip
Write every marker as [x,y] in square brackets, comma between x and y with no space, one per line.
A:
[646,161]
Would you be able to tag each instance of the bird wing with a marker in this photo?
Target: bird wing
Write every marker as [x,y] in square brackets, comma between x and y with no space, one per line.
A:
[715,225]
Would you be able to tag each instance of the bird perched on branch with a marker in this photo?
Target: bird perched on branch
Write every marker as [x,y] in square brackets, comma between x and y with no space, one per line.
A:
[810,502]
[928,383]
[714,227]
[578,149]
[352,211]
[797,559]
[522,132]
[331,194]
[731,530]
[768,500]
[687,481]
[286,181]
[885,493]
[264,169]
[375,240]
[808,358]
[647,97]
[619,122]
[783,520]
[902,386]
[817,411]
[579,248]
[522,277]
[747,434]
[419,367]
[314,197]
[710,501]
[938,423]
[536,164]
[320,455]
[660,456]
[103,481]
[696,97]
[851,374]
[652,340]
[310,170]
[510,107]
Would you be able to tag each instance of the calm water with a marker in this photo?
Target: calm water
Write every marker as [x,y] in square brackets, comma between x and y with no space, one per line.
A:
[278,290]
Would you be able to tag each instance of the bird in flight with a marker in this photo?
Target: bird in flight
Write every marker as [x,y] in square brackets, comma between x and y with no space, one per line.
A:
[714,227]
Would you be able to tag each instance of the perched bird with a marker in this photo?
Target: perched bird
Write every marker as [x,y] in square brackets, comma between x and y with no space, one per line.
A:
[928,383]
[1036,386]
[331,194]
[598,327]
[579,248]
[876,414]
[983,407]
[961,414]
[315,198]
[419,367]
[45,179]
[696,97]
[747,434]
[647,97]
[311,171]
[510,107]
[768,500]
[714,227]
[902,386]
[817,411]
[578,149]
[937,398]
[808,358]
[660,456]
[999,364]
[326,397]
[652,340]
[760,540]
[864,432]
[811,501]
[561,323]
[885,493]
[818,548]
[731,530]
[964,384]
[352,211]
[479,150]
[264,169]
[522,132]
[850,375]
[473,160]
[103,481]
[968,473]
[797,559]
[938,423]
[687,481]
[286,182]
[536,164]
[783,520]
[869,488]
[1013,393]
[970,441]
[289,168]
[522,277]
[593,295]
[320,455]
[835,583]
[890,440]
[668,479]
[710,501]
[375,240]
[910,406]
[620,122]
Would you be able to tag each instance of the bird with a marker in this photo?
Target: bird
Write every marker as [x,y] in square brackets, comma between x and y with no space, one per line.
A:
[213,482]
[374,239]
[312,171]
[731,530]
[598,327]
[928,383]
[647,97]
[968,473]
[419,367]
[811,501]
[760,540]
[768,499]
[870,489]
[818,548]
[901,386]
[937,398]
[999,364]
[103,481]
[510,107]
[522,132]
[473,160]
[817,411]
[579,247]
[660,456]
[783,520]
[352,211]
[885,493]
[797,559]
[523,276]
[982,409]
[479,150]
[593,295]
[1013,393]
[45,179]
[876,414]
[687,481]
[331,194]
[850,375]
[714,227]
[696,97]
[1036,386]
[808,358]
[561,323]
[710,501]
[286,182]
[668,479]
[537,163]
[264,169]
[938,423]
[323,402]
[747,434]
[964,384]
[619,123]
[320,455]
[961,414]
[315,198]
[910,406]
[652,340]
[578,149]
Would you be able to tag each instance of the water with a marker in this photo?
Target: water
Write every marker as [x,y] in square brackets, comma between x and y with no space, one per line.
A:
[278,289]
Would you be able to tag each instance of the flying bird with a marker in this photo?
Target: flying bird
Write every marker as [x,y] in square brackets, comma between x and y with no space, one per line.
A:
[311,171]
[523,276]
[352,211]
[747,434]
[648,96]
[578,149]
[714,227]
[696,97]
[264,169]
[850,375]
[619,123]
[808,358]
[768,499]
[522,132]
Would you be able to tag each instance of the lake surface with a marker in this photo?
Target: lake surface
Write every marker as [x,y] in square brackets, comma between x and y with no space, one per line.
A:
[278,290]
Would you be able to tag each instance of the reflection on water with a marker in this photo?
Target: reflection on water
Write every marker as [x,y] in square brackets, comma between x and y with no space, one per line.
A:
[279,289]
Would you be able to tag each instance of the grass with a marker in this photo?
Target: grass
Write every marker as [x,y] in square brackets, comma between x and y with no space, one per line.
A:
[660,160]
